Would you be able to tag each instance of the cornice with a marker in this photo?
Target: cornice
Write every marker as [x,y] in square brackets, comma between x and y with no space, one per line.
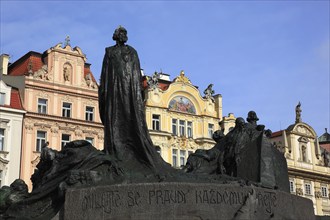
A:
[38,116]
[308,174]
[74,94]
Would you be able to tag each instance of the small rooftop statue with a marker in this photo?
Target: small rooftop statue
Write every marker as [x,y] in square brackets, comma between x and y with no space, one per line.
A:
[209,92]
[298,113]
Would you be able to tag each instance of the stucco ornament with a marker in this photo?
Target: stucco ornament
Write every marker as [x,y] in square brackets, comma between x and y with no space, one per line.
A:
[42,73]
[208,92]
[153,81]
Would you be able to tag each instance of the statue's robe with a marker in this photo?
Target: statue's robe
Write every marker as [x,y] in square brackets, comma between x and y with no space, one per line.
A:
[122,112]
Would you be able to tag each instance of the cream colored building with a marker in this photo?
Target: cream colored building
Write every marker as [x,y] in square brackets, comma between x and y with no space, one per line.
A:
[309,177]
[60,96]
[179,118]
[11,118]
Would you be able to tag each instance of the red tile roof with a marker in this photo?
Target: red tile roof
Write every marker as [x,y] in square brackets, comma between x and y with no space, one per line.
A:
[88,70]
[15,100]
[20,67]
[163,85]
[277,134]
[325,146]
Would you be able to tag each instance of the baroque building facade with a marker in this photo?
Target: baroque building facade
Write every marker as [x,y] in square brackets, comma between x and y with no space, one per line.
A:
[11,119]
[309,173]
[60,96]
[179,118]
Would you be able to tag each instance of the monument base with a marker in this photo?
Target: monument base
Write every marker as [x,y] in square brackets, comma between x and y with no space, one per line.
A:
[183,201]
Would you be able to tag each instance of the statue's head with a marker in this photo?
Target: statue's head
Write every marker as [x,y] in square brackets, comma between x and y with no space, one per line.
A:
[120,35]
[239,122]
[252,117]
[19,186]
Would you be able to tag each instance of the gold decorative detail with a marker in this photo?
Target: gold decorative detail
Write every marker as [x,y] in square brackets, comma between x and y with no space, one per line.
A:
[182,78]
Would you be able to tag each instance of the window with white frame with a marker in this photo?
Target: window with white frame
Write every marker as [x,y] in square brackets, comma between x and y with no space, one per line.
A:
[174,126]
[89,115]
[65,139]
[292,186]
[2,139]
[42,106]
[174,157]
[41,140]
[156,122]
[324,191]
[182,158]
[182,127]
[90,140]
[66,109]
[308,189]
[210,130]
[189,129]
[2,98]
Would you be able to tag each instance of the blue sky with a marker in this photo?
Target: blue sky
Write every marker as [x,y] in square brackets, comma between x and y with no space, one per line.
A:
[260,55]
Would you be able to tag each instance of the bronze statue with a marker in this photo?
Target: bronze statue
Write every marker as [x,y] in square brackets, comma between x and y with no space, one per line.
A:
[126,135]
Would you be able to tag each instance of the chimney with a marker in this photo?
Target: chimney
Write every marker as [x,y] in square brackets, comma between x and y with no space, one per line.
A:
[4,60]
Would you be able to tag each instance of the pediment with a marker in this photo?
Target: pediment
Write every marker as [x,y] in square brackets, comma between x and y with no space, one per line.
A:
[302,129]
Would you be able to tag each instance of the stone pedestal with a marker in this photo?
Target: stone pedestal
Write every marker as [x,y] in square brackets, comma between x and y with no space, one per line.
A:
[183,201]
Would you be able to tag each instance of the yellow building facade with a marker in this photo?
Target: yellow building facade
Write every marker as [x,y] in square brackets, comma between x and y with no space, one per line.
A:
[179,118]
[60,96]
[308,175]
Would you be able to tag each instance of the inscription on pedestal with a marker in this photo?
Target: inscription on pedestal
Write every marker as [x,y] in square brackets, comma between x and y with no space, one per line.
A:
[166,201]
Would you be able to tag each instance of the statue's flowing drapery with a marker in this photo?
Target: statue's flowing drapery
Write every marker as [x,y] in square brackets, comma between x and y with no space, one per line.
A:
[122,112]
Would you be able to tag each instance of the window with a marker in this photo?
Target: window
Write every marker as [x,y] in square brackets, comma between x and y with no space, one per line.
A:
[90,140]
[292,186]
[174,126]
[66,110]
[174,157]
[156,122]
[210,130]
[42,106]
[41,140]
[189,129]
[182,128]
[2,98]
[324,191]
[65,139]
[308,189]
[182,157]
[89,113]
[2,139]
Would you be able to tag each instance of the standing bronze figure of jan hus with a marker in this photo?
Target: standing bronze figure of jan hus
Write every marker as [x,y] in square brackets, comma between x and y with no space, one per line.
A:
[126,135]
